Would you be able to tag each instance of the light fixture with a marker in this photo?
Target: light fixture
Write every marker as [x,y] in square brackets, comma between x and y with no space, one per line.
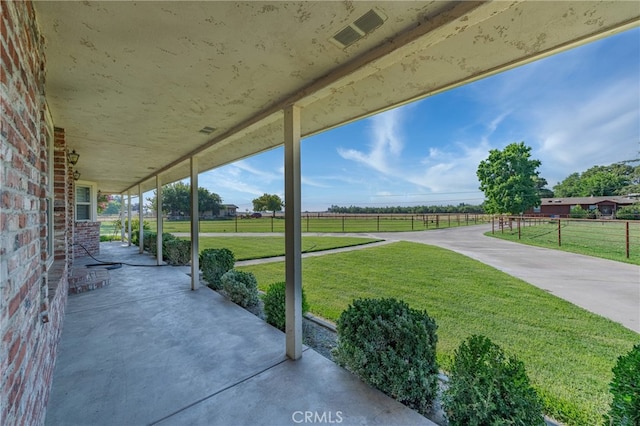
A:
[73,157]
[76,175]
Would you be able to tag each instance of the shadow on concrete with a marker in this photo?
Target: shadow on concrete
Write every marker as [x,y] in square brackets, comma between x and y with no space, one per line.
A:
[148,350]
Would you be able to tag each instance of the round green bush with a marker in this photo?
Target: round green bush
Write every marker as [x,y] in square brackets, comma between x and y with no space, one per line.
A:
[214,263]
[177,252]
[625,387]
[488,388]
[631,212]
[391,347]
[240,287]
[274,305]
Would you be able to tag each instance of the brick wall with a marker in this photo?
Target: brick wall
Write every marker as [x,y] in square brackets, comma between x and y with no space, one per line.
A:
[87,234]
[32,297]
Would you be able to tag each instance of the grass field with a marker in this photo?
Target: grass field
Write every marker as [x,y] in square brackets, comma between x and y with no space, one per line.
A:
[346,223]
[604,239]
[568,352]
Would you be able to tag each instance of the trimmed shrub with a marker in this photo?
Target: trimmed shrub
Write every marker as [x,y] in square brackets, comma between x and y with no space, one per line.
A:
[177,252]
[391,347]
[240,287]
[578,212]
[274,304]
[625,387]
[135,227]
[631,212]
[488,388]
[150,243]
[214,263]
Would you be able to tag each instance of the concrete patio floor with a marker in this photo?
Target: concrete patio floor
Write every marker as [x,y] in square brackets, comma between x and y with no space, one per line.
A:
[148,350]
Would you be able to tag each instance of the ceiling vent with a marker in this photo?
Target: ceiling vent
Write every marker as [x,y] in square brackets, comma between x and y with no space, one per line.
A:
[358,29]
[207,130]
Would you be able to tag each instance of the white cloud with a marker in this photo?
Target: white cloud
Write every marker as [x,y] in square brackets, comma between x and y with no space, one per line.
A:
[453,170]
[386,144]
[599,128]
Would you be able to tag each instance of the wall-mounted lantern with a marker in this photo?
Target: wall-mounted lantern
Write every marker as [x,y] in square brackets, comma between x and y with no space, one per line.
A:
[76,175]
[73,157]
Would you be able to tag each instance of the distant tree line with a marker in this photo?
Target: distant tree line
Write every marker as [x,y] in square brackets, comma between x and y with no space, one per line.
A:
[460,208]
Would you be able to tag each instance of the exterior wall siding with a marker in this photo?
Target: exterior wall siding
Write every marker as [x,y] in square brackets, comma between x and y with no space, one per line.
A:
[33,291]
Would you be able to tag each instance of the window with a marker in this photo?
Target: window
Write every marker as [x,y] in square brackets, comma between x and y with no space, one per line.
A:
[83,203]
[536,209]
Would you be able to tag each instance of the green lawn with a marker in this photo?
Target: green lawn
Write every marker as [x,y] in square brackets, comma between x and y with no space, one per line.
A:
[605,239]
[260,247]
[360,223]
[568,352]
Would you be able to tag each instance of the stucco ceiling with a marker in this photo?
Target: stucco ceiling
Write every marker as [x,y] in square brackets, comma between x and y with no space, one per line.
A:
[133,83]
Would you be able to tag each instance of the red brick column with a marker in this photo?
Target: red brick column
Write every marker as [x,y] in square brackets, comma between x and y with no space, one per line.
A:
[61,205]
[87,234]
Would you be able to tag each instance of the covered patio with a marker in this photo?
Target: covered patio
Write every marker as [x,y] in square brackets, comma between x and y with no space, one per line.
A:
[147,350]
[150,93]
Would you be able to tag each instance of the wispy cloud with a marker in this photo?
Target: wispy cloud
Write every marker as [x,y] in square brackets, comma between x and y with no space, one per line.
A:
[386,143]
[452,169]
[601,128]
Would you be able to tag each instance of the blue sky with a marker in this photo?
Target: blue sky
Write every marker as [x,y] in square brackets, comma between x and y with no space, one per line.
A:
[576,109]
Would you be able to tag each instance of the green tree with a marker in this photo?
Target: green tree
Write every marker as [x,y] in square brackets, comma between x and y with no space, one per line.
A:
[208,201]
[176,200]
[569,187]
[509,179]
[268,202]
[614,179]
[543,192]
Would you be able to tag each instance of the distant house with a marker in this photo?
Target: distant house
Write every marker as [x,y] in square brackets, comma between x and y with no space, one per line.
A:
[607,206]
[227,210]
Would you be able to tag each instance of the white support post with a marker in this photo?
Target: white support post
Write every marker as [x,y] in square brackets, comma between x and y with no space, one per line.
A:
[129,216]
[141,220]
[122,205]
[293,232]
[159,219]
[195,222]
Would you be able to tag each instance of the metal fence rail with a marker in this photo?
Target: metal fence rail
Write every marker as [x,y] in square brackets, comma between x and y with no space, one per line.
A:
[620,237]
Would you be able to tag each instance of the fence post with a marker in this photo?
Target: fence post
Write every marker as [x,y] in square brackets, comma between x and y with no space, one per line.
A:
[342,223]
[627,238]
[559,234]
[378,224]
[449,219]
[236,224]
[519,232]
[307,222]
[493,224]
[412,223]
[271,223]
[437,221]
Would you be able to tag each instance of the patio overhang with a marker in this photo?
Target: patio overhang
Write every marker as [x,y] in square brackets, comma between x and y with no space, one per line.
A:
[141,87]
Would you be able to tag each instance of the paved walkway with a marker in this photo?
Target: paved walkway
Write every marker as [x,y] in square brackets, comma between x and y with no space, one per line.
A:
[146,350]
[605,287]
